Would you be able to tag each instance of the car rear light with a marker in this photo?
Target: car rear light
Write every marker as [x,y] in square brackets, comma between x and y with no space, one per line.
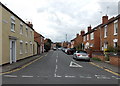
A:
[78,54]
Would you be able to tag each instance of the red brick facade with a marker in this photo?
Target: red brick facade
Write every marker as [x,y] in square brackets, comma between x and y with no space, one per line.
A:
[40,42]
[109,37]
[92,38]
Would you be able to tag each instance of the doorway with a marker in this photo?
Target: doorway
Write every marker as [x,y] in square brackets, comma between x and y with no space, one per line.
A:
[12,51]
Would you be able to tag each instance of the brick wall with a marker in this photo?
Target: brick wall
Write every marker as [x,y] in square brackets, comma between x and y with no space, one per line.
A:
[101,57]
[115,60]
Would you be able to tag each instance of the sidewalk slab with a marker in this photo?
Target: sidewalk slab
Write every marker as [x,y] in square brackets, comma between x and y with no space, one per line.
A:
[8,67]
[107,65]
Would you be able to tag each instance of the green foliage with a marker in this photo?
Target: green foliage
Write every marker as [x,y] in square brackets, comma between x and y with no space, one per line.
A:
[112,49]
[47,45]
[96,59]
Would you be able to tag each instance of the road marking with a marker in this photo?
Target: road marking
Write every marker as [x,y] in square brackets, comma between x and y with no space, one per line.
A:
[26,76]
[24,66]
[70,76]
[55,75]
[102,77]
[56,60]
[73,64]
[105,69]
[12,76]
[115,77]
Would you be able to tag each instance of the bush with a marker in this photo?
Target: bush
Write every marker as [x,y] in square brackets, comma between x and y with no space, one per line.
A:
[96,59]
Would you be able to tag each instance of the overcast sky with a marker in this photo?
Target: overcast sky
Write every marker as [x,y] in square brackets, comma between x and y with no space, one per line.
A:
[56,18]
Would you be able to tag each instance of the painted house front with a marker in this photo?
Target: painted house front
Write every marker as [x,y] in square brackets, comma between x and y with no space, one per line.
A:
[17,37]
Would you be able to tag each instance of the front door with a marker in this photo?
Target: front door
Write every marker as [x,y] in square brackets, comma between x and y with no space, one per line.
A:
[12,51]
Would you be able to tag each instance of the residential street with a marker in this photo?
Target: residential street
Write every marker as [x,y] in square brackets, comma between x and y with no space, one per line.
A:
[56,67]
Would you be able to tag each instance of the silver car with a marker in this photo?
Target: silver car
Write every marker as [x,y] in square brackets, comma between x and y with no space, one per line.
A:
[81,55]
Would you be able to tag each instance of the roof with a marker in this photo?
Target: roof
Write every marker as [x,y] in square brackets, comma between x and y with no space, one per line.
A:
[94,29]
[14,14]
[111,20]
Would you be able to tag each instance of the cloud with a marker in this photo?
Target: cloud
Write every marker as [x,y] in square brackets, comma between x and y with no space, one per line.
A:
[56,18]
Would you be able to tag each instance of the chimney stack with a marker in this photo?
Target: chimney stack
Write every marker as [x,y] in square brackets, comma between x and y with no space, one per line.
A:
[77,35]
[82,33]
[30,24]
[89,28]
[104,19]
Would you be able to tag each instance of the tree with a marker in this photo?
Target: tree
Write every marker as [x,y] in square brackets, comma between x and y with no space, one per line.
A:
[47,45]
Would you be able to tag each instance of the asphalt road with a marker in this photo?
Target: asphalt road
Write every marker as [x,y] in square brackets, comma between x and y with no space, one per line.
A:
[58,68]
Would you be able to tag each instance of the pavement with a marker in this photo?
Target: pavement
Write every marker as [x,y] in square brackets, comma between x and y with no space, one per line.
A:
[107,65]
[9,67]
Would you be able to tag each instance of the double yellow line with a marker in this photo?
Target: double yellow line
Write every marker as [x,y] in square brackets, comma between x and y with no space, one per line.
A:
[24,66]
[105,69]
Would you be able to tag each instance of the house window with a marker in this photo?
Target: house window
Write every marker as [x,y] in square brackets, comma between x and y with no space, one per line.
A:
[105,31]
[21,47]
[41,40]
[26,47]
[31,33]
[84,38]
[92,36]
[116,27]
[115,45]
[12,24]
[30,47]
[26,31]
[87,37]
[21,28]
[105,45]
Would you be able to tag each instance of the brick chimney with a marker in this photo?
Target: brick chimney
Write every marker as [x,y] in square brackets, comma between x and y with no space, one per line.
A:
[104,19]
[82,33]
[89,28]
[77,35]
[30,24]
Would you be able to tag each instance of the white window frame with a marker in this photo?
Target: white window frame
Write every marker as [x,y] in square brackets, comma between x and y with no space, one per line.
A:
[12,23]
[31,47]
[21,28]
[26,47]
[92,36]
[87,37]
[115,25]
[30,33]
[115,41]
[84,38]
[26,31]
[105,31]
[21,47]
[105,45]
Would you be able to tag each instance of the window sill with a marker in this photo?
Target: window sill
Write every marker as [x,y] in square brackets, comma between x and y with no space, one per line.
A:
[105,37]
[21,53]
[12,31]
[115,34]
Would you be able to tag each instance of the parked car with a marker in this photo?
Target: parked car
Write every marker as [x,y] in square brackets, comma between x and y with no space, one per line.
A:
[54,48]
[70,51]
[81,55]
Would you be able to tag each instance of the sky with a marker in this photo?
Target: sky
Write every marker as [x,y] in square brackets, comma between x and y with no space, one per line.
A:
[56,18]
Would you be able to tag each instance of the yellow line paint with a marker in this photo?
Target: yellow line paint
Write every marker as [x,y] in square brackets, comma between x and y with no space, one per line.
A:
[105,69]
[24,66]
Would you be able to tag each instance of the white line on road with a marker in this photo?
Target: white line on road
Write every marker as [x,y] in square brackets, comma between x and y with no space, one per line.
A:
[11,76]
[26,76]
[70,76]
[56,60]
[73,64]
